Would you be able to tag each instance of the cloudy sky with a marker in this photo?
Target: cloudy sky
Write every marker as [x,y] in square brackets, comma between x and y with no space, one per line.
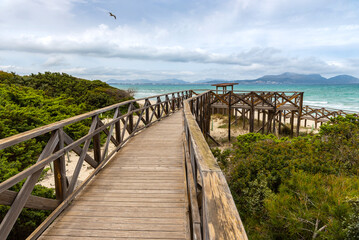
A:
[185,39]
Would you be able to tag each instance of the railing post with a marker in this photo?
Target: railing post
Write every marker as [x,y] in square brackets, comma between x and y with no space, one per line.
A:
[118,128]
[97,143]
[130,119]
[229,115]
[147,105]
[299,113]
[167,108]
[60,171]
[158,107]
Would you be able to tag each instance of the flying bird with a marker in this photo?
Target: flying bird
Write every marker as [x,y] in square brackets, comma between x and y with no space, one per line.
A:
[112,15]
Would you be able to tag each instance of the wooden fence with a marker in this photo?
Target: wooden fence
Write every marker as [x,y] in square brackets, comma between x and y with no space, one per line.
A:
[321,114]
[60,143]
[213,212]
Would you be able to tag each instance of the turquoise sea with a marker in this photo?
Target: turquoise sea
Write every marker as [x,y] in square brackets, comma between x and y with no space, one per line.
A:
[345,97]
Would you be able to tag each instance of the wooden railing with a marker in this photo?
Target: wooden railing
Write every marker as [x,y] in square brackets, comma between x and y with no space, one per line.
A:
[118,131]
[322,114]
[213,212]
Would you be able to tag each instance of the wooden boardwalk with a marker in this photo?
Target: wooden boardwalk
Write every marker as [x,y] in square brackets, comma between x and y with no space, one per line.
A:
[140,194]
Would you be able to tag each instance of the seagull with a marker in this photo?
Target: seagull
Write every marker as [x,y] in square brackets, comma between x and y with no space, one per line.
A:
[112,15]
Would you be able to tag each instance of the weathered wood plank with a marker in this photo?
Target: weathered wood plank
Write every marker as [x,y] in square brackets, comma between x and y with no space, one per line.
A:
[119,226]
[98,238]
[221,212]
[7,198]
[128,203]
[122,220]
[115,233]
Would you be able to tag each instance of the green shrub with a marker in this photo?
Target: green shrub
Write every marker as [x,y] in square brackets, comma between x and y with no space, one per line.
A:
[283,186]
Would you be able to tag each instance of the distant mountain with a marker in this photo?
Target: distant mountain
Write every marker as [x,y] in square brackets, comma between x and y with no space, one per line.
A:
[284,78]
[211,81]
[295,78]
[171,81]
[343,79]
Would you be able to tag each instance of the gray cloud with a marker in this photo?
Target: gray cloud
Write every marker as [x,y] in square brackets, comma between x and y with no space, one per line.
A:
[49,45]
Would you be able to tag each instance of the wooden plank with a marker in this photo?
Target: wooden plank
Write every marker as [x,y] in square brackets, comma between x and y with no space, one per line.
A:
[128,203]
[153,214]
[133,195]
[115,233]
[119,220]
[97,238]
[94,199]
[138,181]
[109,190]
[7,198]
[119,226]
[221,212]
[141,186]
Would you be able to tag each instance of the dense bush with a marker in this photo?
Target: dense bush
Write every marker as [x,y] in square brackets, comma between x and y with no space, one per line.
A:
[36,100]
[297,188]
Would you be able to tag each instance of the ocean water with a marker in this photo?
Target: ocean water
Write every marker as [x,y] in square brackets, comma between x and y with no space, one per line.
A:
[344,97]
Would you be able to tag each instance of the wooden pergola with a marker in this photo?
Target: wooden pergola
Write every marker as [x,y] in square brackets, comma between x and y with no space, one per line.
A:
[224,86]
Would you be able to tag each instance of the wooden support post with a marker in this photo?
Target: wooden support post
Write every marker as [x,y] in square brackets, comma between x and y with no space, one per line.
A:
[274,118]
[244,118]
[147,103]
[300,110]
[167,107]
[173,102]
[235,115]
[258,117]
[280,123]
[270,118]
[97,144]
[305,122]
[60,171]
[158,108]
[118,128]
[210,109]
[263,120]
[130,119]
[292,123]
[197,107]
[251,116]
[229,117]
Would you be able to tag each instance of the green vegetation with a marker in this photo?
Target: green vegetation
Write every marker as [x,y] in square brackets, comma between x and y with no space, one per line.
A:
[300,188]
[31,101]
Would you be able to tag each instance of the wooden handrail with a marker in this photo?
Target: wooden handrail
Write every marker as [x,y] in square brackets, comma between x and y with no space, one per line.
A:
[219,215]
[60,143]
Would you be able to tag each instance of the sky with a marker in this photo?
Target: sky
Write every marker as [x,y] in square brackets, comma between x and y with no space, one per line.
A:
[184,39]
